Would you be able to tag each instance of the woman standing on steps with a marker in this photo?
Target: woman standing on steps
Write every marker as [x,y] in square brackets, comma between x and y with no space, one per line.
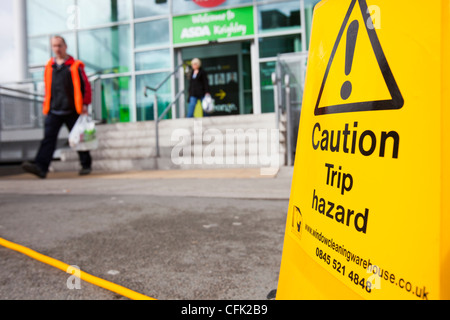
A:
[198,86]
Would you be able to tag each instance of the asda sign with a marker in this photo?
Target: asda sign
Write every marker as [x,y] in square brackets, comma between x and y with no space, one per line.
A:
[213,25]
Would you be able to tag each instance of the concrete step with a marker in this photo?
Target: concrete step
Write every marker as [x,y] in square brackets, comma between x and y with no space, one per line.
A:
[117,154]
[131,146]
[121,165]
[245,121]
[116,165]
[141,139]
[147,130]
[137,138]
[146,152]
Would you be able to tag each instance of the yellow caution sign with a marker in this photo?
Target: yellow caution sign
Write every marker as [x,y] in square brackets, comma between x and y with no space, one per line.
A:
[369,211]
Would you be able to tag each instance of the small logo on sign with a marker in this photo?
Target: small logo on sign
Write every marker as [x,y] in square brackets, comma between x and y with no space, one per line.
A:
[297,222]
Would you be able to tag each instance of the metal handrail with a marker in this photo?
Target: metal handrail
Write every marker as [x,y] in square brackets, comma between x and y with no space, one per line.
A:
[158,118]
[95,109]
[19,98]
[22,92]
[94,78]
[286,83]
[146,88]
[164,113]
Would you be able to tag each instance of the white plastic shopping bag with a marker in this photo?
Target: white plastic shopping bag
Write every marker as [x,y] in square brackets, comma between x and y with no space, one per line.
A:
[83,136]
[208,104]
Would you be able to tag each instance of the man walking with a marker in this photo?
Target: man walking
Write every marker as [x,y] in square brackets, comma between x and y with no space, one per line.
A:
[67,95]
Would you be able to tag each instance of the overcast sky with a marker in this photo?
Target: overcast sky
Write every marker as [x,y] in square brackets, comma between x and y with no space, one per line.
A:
[7,53]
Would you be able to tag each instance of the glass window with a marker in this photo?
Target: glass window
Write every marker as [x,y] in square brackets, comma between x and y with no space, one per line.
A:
[267,96]
[50,16]
[276,16]
[185,6]
[152,33]
[247,76]
[116,99]
[148,8]
[38,50]
[151,60]
[37,75]
[311,3]
[272,46]
[106,50]
[98,12]
[144,105]
[309,10]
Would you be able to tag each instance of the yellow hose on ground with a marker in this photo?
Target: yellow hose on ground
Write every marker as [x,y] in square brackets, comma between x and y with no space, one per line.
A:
[82,275]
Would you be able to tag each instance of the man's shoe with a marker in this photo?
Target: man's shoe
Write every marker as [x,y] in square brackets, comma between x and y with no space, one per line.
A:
[85,171]
[34,169]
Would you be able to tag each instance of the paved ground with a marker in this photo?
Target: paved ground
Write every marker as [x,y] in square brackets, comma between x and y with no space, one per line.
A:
[212,234]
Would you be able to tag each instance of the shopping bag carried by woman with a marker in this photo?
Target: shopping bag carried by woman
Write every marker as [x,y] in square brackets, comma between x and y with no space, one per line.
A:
[208,104]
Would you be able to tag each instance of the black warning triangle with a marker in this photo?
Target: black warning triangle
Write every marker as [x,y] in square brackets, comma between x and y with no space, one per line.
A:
[396,102]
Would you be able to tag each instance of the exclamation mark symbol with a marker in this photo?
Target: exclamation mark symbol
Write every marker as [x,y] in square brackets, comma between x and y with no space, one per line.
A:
[352,35]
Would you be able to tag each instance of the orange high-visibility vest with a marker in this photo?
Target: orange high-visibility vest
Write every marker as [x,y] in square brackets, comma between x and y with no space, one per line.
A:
[78,94]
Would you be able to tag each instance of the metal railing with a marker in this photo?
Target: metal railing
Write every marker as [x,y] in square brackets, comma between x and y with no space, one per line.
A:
[159,117]
[288,83]
[20,109]
[96,104]
[21,119]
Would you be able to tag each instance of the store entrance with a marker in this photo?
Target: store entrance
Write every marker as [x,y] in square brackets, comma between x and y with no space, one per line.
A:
[229,71]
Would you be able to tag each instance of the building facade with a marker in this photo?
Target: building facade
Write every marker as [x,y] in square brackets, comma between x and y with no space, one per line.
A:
[132,44]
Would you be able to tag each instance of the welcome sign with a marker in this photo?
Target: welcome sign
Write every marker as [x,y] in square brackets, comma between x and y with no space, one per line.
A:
[211,26]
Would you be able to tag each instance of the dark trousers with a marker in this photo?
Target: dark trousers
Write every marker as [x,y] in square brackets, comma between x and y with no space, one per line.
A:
[53,124]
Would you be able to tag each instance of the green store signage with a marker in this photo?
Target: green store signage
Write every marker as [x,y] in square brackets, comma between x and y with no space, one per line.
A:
[210,26]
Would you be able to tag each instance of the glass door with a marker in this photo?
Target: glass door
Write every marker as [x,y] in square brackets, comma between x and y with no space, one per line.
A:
[228,68]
